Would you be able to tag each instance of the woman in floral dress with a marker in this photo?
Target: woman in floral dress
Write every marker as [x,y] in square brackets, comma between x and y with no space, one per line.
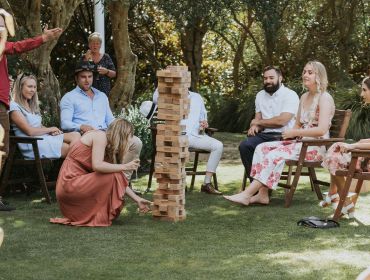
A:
[313,120]
[339,157]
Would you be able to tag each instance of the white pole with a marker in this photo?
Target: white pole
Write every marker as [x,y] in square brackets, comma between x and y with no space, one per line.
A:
[99,21]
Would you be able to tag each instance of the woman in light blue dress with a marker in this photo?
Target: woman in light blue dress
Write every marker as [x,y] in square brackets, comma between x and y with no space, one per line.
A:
[26,119]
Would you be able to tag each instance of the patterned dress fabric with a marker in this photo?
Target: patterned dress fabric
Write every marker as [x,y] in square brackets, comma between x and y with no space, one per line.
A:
[336,160]
[269,158]
[86,197]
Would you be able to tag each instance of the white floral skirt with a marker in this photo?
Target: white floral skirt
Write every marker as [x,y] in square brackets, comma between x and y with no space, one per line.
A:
[269,159]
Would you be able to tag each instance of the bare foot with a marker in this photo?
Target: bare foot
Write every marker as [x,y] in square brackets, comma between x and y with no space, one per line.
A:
[144,205]
[258,199]
[240,198]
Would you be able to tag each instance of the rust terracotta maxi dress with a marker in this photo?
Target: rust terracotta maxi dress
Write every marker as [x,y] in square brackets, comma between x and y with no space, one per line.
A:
[86,197]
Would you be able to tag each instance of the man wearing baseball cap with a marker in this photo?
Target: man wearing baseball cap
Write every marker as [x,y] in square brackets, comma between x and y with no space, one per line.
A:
[85,108]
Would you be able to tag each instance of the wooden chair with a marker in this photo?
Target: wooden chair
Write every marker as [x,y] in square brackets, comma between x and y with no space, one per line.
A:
[193,171]
[190,171]
[338,130]
[15,159]
[352,173]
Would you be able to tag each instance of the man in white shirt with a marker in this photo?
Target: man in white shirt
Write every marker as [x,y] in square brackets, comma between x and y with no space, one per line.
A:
[276,107]
[196,123]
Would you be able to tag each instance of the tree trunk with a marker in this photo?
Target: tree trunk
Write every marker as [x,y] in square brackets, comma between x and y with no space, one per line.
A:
[61,13]
[122,92]
[192,49]
[238,59]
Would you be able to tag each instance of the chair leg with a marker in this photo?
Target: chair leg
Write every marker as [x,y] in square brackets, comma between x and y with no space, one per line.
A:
[215,181]
[342,197]
[289,195]
[289,177]
[358,189]
[40,173]
[244,184]
[195,166]
[314,185]
[151,172]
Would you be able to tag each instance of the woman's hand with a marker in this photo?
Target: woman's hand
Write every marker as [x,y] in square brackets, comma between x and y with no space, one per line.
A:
[203,124]
[132,165]
[144,205]
[88,55]
[54,131]
[102,70]
[345,148]
[289,133]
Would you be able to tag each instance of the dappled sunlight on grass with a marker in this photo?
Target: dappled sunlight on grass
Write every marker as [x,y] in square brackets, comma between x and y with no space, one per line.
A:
[308,260]
[221,211]
[218,239]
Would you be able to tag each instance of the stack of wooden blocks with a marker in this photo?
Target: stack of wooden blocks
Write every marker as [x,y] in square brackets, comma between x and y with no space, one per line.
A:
[172,144]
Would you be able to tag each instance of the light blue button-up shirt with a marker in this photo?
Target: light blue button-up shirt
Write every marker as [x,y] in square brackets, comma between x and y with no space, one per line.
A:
[77,108]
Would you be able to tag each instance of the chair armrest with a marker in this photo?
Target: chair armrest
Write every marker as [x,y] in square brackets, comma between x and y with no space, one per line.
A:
[24,139]
[210,131]
[320,142]
[360,153]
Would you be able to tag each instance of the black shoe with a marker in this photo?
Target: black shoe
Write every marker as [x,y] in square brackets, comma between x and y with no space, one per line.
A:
[6,207]
[208,188]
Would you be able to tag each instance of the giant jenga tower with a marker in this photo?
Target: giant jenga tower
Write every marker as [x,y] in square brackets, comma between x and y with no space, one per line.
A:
[172,144]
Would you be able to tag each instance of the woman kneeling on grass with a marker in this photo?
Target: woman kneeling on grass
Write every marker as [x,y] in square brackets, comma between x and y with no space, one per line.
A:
[339,157]
[91,183]
[316,109]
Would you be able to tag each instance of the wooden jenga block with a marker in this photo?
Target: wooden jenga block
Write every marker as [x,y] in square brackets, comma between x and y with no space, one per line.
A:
[172,141]
[177,67]
[167,180]
[181,151]
[171,99]
[169,186]
[168,168]
[176,90]
[183,104]
[170,158]
[169,131]
[172,73]
[173,176]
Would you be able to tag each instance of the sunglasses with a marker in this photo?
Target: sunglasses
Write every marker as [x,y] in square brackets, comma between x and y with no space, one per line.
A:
[26,74]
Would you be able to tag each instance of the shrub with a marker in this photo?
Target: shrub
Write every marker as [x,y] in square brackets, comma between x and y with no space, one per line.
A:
[359,126]
[141,126]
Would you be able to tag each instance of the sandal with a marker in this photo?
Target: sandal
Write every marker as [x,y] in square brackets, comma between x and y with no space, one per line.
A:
[349,206]
[330,200]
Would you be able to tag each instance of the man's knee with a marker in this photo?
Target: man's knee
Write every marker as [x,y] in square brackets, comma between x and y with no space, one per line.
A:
[217,145]
[245,146]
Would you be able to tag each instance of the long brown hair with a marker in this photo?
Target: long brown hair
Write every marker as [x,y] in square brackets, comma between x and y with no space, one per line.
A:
[118,134]
[18,97]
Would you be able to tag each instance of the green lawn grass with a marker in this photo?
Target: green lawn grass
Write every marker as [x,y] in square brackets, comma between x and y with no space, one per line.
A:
[218,240]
